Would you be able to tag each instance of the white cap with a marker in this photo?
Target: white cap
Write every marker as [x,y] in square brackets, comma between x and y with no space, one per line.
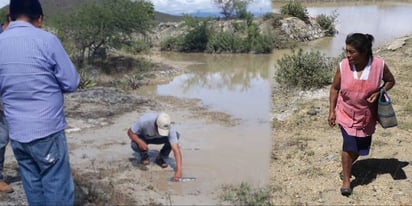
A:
[163,124]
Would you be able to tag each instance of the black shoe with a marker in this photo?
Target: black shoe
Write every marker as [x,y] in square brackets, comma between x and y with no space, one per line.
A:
[346,191]
[144,158]
[161,162]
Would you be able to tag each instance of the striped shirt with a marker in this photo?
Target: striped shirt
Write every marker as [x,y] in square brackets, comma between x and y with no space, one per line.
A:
[35,71]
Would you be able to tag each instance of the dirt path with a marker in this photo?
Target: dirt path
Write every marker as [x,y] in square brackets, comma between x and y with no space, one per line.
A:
[306,152]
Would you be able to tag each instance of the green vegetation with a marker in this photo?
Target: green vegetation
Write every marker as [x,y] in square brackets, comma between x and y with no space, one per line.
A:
[96,26]
[202,36]
[244,194]
[85,80]
[231,9]
[305,70]
[327,23]
[3,13]
[295,9]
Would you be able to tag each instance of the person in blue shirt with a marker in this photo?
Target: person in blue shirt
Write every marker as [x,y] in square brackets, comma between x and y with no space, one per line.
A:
[156,128]
[4,132]
[35,72]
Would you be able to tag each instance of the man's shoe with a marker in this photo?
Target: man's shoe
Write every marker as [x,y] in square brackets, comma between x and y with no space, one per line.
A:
[4,187]
[144,158]
[161,162]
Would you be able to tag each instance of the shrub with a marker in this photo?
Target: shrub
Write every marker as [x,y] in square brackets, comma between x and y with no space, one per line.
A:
[222,42]
[85,80]
[309,70]
[295,9]
[172,43]
[244,194]
[327,23]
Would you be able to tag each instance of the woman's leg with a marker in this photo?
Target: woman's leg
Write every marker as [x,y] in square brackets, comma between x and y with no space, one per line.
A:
[348,158]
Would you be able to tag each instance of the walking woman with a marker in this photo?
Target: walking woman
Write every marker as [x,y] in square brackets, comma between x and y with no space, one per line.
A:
[353,96]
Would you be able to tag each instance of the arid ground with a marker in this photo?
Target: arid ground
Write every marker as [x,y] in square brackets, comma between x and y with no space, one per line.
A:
[306,151]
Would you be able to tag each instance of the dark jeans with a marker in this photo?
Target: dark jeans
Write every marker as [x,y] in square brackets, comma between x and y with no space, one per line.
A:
[164,152]
[45,170]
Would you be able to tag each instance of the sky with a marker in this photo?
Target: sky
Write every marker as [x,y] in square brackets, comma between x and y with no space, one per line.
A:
[4,3]
[179,7]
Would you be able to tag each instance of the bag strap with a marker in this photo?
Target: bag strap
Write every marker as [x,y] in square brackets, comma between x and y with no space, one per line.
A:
[383,96]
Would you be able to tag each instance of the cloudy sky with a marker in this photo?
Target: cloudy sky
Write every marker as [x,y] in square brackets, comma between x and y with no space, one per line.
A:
[179,7]
[4,3]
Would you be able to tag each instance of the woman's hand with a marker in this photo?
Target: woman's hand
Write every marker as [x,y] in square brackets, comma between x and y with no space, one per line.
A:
[371,99]
[332,119]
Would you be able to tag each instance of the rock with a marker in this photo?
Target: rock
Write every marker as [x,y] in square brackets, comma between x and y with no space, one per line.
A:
[98,103]
[398,43]
[300,30]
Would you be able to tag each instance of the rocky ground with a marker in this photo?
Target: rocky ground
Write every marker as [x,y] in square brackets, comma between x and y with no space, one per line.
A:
[306,151]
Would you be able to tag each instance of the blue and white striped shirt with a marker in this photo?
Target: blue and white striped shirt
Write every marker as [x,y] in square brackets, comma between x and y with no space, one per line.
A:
[35,71]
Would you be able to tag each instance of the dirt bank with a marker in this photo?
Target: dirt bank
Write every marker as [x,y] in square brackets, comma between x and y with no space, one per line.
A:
[306,151]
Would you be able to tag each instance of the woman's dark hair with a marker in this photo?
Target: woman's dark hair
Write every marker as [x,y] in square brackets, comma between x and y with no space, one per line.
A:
[361,42]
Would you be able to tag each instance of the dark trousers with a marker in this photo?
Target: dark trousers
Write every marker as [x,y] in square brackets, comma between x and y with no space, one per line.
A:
[164,152]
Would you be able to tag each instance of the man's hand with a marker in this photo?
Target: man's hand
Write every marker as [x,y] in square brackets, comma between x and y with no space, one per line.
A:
[142,145]
[178,176]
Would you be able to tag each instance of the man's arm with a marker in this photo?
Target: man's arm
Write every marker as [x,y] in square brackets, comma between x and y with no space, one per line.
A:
[142,145]
[64,70]
[178,157]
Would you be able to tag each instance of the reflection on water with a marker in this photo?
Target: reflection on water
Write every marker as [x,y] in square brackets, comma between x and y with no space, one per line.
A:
[384,20]
[236,84]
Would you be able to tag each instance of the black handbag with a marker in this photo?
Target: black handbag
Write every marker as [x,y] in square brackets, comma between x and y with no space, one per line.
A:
[386,113]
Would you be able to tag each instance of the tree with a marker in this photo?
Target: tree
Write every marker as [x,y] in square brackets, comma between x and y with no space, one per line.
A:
[232,8]
[102,24]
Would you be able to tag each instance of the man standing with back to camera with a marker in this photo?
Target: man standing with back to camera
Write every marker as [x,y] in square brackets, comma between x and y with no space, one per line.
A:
[35,71]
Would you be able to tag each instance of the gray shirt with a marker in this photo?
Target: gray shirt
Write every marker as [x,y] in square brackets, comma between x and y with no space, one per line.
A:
[145,125]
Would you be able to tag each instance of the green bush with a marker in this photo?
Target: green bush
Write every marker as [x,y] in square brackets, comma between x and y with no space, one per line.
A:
[244,194]
[85,80]
[171,44]
[309,70]
[295,9]
[327,23]
[222,42]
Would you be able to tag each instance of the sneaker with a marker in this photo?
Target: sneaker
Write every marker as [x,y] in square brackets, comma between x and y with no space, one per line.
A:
[144,158]
[161,162]
[4,187]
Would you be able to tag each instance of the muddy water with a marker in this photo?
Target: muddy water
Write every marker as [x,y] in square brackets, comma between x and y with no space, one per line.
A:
[385,20]
[239,85]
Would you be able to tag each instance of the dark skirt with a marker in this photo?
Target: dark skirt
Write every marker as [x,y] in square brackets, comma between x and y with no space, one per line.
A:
[359,145]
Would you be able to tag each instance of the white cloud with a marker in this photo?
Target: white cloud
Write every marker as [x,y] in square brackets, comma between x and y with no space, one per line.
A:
[178,7]
[4,3]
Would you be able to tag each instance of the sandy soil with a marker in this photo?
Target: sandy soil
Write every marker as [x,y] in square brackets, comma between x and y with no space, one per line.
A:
[306,151]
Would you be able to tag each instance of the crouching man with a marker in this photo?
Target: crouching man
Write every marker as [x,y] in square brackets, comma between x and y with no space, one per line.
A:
[155,128]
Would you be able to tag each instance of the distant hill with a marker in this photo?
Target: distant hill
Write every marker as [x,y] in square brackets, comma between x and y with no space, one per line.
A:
[56,7]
